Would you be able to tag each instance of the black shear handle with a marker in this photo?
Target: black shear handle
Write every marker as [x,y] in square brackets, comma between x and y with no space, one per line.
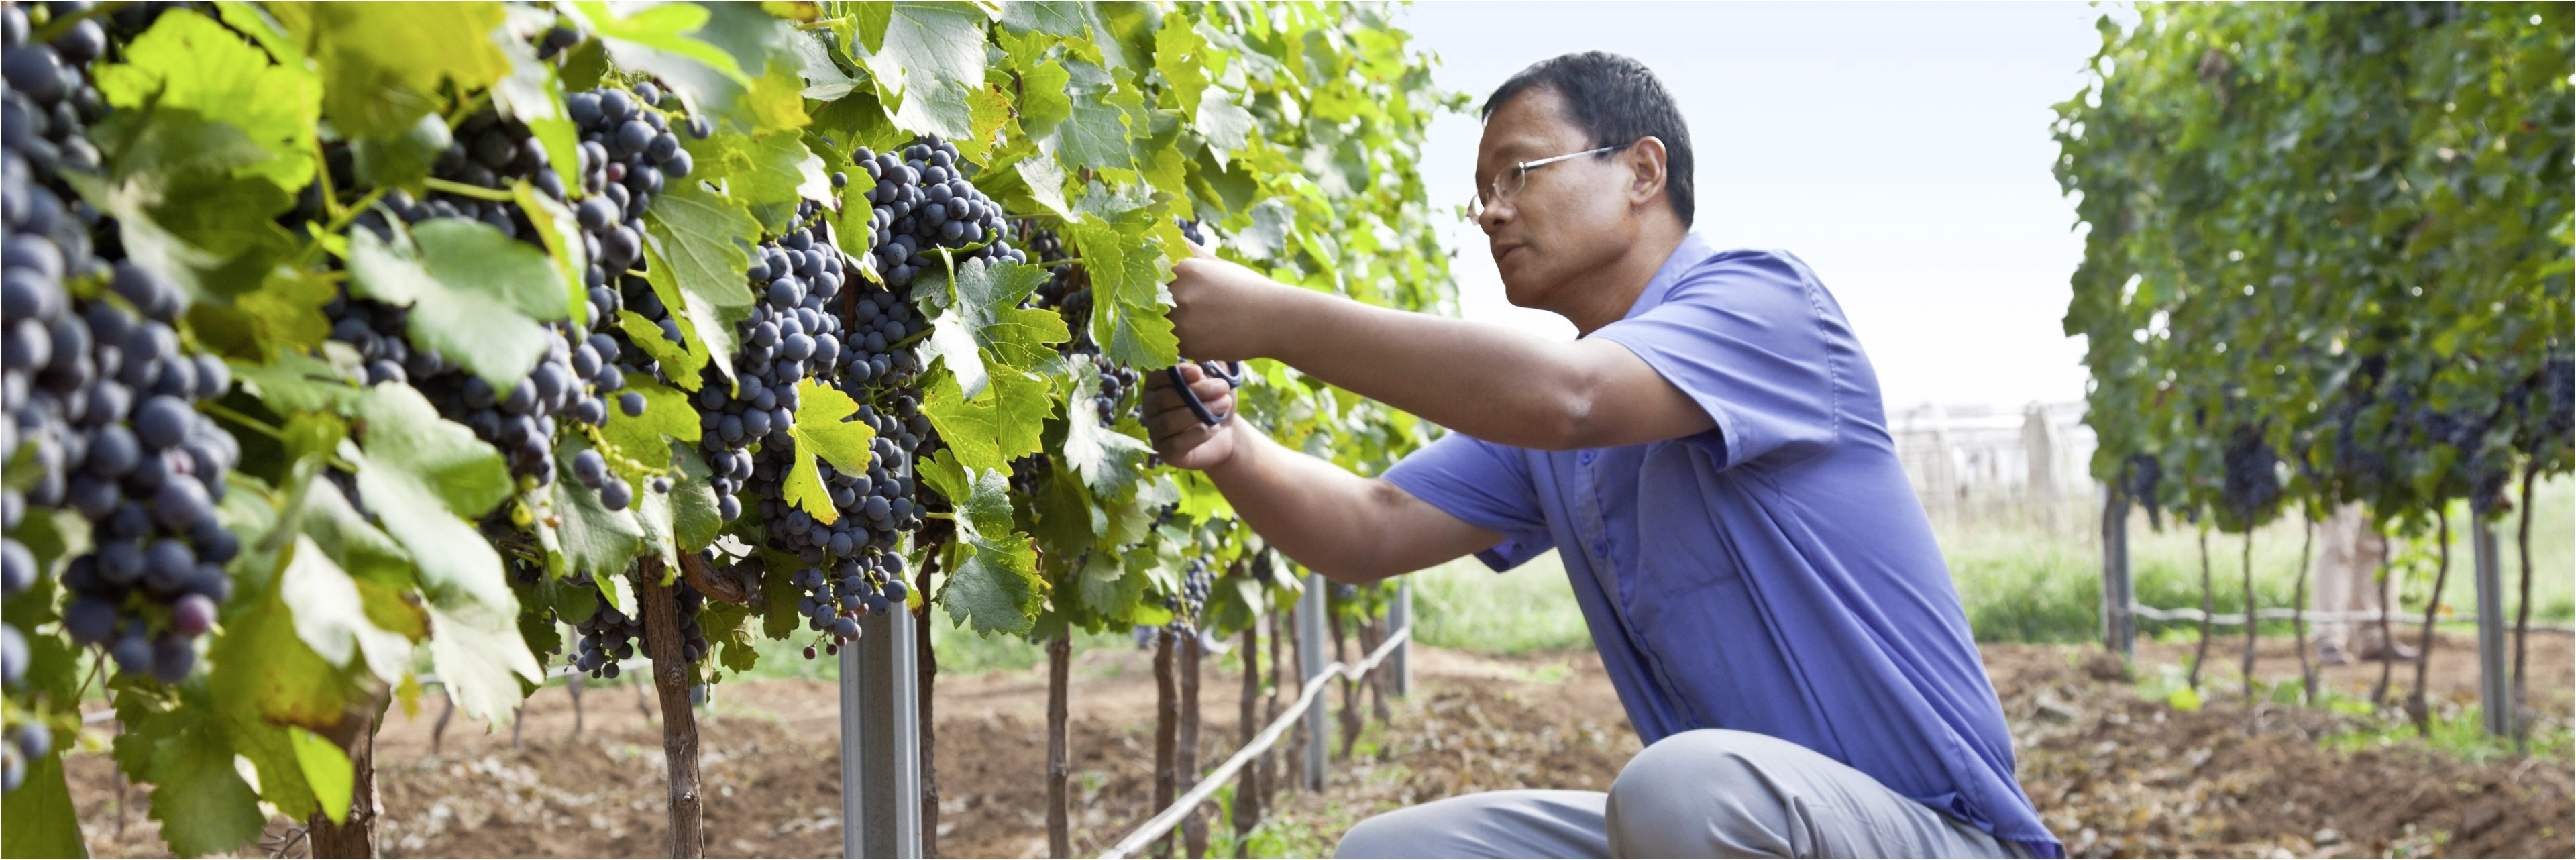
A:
[1230,371]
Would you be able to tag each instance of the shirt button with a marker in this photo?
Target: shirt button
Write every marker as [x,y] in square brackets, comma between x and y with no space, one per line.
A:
[1584,457]
[1600,547]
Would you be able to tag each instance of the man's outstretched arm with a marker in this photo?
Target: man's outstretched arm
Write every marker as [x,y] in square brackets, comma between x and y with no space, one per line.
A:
[1477,378]
[1348,528]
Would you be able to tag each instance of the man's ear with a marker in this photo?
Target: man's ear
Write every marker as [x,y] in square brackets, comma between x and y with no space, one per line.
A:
[1647,162]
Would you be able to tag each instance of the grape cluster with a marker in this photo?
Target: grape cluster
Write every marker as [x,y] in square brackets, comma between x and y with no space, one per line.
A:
[609,636]
[1196,579]
[101,387]
[922,200]
[2251,478]
[790,335]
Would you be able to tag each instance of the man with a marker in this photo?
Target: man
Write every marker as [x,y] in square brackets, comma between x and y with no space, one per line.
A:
[1710,460]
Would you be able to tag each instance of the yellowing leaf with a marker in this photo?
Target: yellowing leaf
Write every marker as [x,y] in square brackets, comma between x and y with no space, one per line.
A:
[821,430]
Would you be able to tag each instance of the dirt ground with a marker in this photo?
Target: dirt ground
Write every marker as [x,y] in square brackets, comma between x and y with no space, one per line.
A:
[2115,775]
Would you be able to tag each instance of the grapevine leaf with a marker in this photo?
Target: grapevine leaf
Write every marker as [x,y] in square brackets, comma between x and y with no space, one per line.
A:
[824,80]
[1107,461]
[952,345]
[988,306]
[377,86]
[1227,126]
[1045,178]
[934,55]
[1054,17]
[697,245]
[822,430]
[1127,275]
[769,170]
[593,539]
[356,545]
[680,361]
[331,617]
[989,109]
[1267,238]
[1179,58]
[992,586]
[646,439]
[640,40]
[654,516]
[555,228]
[191,62]
[426,478]
[202,803]
[259,659]
[1096,129]
[1045,101]
[695,517]
[42,821]
[475,295]
[401,160]
[326,769]
[481,658]
[1003,423]
[533,94]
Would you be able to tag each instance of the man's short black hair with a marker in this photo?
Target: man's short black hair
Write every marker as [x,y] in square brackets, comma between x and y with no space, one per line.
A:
[1616,100]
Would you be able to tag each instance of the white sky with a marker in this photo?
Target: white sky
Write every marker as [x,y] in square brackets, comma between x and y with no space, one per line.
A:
[1901,149]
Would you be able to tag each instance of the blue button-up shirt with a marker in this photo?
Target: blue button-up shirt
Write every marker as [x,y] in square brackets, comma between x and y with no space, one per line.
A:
[1772,575]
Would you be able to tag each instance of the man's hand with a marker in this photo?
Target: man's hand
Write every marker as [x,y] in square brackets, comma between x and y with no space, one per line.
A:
[1223,311]
[1179,436]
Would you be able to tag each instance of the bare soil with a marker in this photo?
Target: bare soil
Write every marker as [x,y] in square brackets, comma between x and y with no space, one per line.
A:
[2116,775]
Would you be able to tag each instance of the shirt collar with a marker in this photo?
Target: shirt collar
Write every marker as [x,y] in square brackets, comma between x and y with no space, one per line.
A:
[1688,254]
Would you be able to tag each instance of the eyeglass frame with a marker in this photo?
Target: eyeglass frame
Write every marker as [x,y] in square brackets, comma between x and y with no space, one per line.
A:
[1520,173]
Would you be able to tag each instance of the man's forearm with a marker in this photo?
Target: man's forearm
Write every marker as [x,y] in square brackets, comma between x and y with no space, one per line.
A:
[1317,513]
[1477,378]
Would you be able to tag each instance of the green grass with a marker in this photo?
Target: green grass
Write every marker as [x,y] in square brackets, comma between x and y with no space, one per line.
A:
[2026,584]
[1466,605]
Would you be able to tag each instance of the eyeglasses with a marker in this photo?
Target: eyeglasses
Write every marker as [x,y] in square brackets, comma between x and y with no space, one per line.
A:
[1511,181]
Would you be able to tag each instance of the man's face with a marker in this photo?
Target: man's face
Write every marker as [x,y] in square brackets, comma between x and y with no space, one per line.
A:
[1572,217]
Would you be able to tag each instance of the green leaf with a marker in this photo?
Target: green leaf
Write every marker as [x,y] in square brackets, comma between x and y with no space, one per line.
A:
[203,805]
[646,438]
[987,304]
[326,769]
[680,361]
[401,160]
[475,295]
[774,170]
[1107,461]
[556,229]
[1045,178]
[700,243]
[1227,126]
[1004,423]
[695,519]
[1096,131]
[1045,102]
[1179,59]
[331,618]
[663,28]
[259,659]
[933,54]
[592,539]
[821,430]
[1055,17]
[1127,271]
[42,820]
[480,657]
[373,86]
[992,585]
[427,478]
[188,61]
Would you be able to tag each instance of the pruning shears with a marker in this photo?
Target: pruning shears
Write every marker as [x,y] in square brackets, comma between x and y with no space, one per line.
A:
[1230,371]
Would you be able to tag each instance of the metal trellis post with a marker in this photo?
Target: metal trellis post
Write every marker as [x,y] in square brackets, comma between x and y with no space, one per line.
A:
[1310,660]
[881,741]
[2495,686]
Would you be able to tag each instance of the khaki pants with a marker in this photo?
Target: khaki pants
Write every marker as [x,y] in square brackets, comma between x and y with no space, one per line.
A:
[1702,793]
[2346,579]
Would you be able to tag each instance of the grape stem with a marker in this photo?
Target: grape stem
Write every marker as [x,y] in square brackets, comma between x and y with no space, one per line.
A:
[463,190]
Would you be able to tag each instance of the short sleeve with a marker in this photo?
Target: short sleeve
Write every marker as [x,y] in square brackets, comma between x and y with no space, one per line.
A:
[1750,337]
[1485,485]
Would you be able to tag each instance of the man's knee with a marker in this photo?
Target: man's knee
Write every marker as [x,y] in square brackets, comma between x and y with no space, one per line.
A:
[1702,793]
